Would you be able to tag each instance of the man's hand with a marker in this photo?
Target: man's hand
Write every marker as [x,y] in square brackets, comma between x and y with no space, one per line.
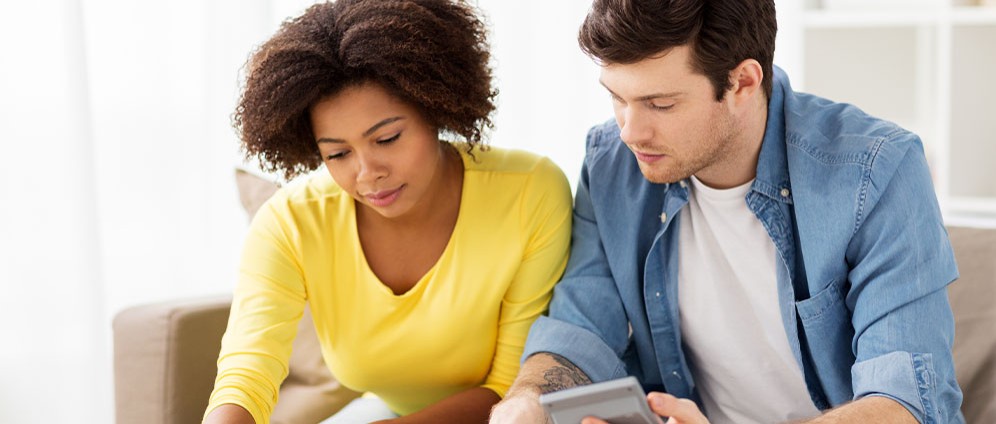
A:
[520,408]
[681,411]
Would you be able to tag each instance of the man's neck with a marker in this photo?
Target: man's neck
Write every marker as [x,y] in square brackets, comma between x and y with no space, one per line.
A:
[739,164]
[754,128]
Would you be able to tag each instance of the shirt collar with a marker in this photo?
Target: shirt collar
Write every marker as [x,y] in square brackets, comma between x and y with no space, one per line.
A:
[772,178]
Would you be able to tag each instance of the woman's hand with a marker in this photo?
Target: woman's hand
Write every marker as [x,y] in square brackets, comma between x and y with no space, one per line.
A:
[229,414]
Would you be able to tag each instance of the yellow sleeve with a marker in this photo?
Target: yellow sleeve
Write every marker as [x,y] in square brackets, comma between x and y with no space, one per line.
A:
[545,217]
[268,303]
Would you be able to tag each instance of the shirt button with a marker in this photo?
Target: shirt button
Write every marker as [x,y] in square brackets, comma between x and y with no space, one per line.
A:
[658,294]
[682,184]
[785,192]
[676,375]
[663,217]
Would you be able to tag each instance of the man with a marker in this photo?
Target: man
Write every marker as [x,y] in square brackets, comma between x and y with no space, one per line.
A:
[758,254]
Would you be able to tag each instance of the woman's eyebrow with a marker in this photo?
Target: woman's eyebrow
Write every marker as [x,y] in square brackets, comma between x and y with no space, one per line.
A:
[366,133]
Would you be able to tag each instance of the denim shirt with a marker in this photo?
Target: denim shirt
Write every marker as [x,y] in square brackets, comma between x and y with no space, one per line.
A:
[863,262]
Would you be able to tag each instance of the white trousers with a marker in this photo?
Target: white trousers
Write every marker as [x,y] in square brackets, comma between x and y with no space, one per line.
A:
[362,410]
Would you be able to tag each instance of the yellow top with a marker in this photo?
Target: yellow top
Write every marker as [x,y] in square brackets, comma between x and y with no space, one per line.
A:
[462,325]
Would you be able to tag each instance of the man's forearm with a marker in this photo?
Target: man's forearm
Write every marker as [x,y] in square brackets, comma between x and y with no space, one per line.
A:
[545,373]
[541,373]
[560,374]
[871,409]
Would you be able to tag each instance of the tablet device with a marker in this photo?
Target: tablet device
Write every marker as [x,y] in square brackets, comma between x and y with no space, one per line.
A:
[619,401]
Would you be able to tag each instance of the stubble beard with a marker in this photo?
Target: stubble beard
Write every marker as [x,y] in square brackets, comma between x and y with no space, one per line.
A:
[674,169]
[717,148]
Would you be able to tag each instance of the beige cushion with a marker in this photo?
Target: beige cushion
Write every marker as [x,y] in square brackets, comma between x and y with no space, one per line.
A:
[309,394]
[253,190]
[973,301]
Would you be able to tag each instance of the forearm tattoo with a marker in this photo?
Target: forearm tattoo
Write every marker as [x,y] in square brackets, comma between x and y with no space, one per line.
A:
[563,376]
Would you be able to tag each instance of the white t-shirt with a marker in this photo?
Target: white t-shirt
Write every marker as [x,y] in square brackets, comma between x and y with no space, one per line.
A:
[731,326]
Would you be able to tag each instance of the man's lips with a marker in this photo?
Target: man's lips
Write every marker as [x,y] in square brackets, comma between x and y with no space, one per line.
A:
[649,157]
[384,197]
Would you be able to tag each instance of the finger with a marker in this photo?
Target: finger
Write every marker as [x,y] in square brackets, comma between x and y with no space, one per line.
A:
[592,420]
[679,410]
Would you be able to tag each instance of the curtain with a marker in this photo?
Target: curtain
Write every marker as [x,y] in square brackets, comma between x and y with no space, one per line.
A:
[117,180]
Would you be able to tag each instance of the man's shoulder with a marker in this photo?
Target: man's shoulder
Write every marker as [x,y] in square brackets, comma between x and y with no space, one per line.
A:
[835,133]
[603,143]
[839,155]
[612,180]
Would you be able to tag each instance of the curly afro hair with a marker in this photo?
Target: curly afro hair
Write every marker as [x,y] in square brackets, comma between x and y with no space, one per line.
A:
[432,54]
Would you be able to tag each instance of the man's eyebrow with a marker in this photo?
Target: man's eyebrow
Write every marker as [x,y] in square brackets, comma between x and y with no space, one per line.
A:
[365,133]
[644,98]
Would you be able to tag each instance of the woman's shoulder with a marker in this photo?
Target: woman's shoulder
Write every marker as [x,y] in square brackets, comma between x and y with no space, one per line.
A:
[313,191]
[510,162]
[518,177]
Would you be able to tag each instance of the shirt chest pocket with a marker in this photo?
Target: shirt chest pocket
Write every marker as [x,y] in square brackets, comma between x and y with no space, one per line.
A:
[828,333]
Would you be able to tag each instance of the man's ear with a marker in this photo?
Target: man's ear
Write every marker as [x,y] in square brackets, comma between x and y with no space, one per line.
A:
[745,81]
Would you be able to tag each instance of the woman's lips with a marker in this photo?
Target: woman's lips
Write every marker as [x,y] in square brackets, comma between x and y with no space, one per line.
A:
[384,198]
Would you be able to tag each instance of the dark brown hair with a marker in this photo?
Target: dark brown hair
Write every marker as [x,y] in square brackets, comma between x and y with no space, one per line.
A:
[432,54]
[721,34]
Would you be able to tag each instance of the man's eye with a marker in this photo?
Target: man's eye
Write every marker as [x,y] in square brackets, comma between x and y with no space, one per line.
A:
[659,107]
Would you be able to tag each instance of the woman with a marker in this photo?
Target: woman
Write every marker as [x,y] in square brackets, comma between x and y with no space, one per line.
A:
[423,261]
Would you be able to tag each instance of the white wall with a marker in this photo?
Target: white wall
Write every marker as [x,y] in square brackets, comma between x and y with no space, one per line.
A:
[549,92]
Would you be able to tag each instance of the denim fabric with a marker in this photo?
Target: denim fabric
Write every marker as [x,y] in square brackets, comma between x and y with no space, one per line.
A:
[863,262]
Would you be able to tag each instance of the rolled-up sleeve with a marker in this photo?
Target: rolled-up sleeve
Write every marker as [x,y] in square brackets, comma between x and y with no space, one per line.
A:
[586,324]
[902,263]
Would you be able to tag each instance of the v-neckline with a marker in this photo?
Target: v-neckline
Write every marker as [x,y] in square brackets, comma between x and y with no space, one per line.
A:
[421,282]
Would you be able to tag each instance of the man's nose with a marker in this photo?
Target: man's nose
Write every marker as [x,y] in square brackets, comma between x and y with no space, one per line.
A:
[634,128]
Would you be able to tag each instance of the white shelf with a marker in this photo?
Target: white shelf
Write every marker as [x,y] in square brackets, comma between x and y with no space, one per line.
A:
[973,205]
[871,19]
[977,15]
[960,218]
[966,15]
[925,65]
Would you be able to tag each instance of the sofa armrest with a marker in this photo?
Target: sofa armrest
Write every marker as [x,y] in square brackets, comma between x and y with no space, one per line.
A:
[973,301]
[165,359]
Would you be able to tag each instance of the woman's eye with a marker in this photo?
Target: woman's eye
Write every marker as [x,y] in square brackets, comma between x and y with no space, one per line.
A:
[336,156]
[390,139]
